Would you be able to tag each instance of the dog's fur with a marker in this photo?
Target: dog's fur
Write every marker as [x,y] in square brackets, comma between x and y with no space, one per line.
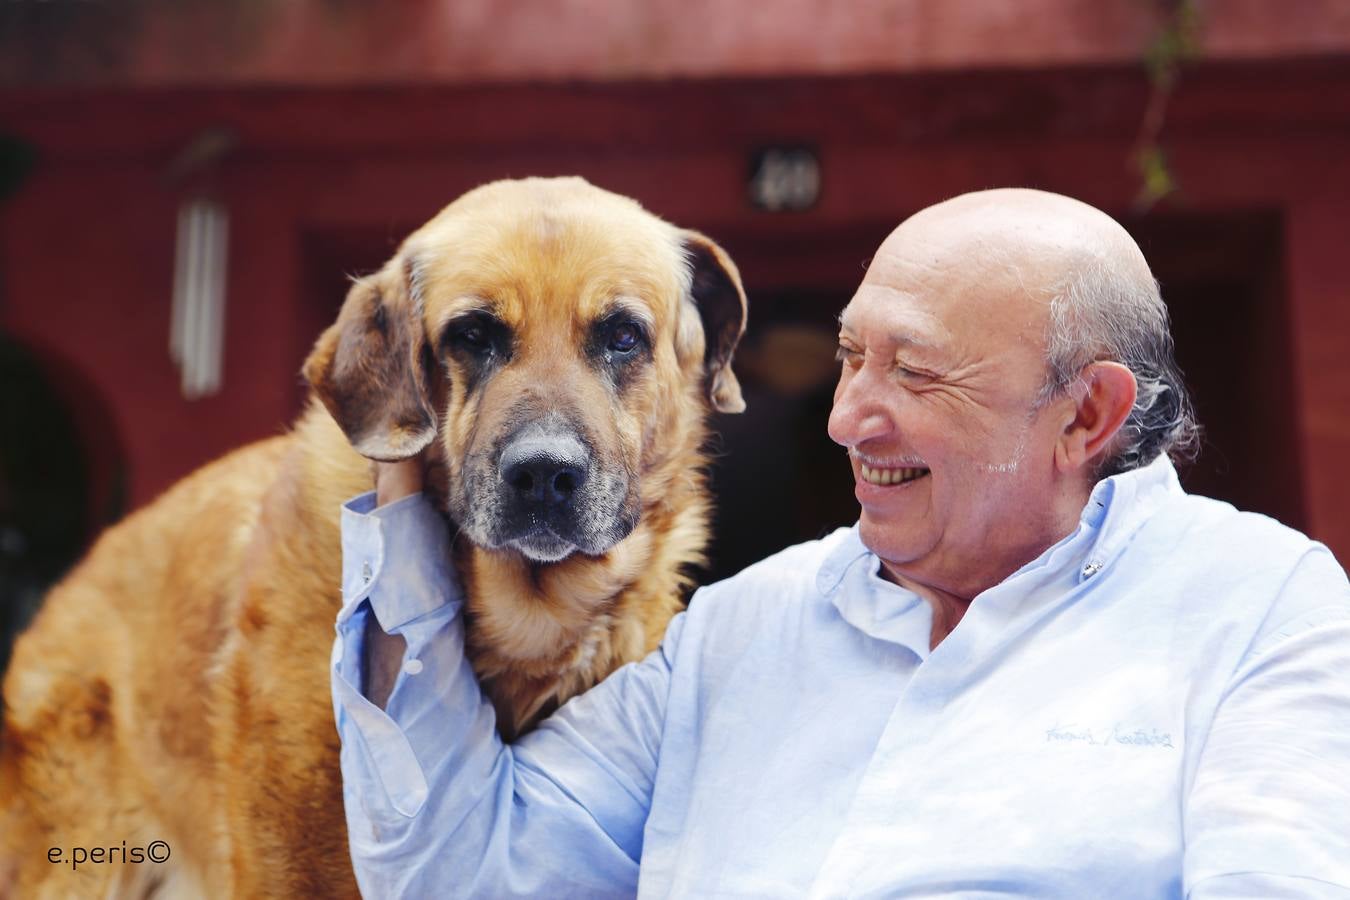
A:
[175,686]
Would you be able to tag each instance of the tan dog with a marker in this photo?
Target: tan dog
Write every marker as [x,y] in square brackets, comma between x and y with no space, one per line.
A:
[564,346]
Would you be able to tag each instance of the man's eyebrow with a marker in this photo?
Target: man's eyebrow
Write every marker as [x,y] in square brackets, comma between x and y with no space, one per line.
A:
[903,338]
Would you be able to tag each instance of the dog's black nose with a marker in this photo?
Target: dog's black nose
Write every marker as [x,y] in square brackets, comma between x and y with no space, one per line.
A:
[543,471]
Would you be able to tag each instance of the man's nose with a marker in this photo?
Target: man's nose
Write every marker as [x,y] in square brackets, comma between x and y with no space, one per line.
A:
[858,413]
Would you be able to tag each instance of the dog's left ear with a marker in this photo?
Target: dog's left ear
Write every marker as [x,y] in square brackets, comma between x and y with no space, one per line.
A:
[717,292]
[370,371]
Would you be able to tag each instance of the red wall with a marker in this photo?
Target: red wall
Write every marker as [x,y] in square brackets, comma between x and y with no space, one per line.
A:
[137,43]
[86,244]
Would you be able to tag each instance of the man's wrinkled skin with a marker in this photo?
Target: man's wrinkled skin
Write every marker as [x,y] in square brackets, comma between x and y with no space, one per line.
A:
[944,351]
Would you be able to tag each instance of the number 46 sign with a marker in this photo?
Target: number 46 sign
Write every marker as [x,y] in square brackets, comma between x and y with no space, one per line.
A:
[784,179]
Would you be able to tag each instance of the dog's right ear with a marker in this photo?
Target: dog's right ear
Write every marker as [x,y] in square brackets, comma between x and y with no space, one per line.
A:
[368,369]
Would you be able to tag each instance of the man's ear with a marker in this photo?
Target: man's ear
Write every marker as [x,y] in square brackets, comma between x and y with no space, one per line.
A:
[717,292]
[1107,395]
[370,370]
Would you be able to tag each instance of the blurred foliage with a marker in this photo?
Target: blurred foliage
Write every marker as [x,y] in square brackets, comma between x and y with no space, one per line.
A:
[1157,179]
[1176,41]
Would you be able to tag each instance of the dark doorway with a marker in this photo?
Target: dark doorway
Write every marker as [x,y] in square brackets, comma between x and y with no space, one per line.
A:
[1223,279]
[777,477]
[61,479]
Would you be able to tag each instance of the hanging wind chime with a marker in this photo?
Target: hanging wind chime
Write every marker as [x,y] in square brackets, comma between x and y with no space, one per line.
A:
[197,324]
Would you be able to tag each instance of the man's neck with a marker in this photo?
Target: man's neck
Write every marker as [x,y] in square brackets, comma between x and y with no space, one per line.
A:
[948,608]
[950,599]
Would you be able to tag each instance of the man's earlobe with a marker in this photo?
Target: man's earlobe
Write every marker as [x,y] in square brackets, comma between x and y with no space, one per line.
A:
[1101,408]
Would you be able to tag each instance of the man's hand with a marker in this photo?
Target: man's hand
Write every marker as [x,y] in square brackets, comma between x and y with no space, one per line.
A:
[396,480]
[384,652]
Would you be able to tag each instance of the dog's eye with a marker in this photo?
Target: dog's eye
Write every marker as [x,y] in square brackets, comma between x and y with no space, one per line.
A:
[624,338]
[477,337]
[472,336]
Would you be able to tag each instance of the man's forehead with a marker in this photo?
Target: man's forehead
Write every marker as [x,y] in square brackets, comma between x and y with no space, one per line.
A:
[896,314]
[949,308]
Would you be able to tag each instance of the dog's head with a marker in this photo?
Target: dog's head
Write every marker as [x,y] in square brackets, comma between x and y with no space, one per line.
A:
[561,341]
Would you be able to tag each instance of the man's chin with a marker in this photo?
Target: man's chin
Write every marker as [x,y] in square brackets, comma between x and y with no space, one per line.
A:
[888,540]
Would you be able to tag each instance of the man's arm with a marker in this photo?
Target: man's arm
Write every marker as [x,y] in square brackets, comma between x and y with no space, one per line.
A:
[1268,813]
[436,804]
[384,652]
[383,660]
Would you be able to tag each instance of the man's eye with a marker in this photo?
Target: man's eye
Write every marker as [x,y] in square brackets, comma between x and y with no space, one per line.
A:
[624,338]
[905,374]
[846,355]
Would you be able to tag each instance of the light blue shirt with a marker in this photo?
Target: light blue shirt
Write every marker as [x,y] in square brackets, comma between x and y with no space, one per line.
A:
[1157,706]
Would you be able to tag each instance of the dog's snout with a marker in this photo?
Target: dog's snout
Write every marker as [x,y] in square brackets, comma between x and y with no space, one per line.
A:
[545,471]
[551,493]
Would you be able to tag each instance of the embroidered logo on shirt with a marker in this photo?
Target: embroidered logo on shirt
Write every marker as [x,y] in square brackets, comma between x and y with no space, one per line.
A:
[1116,735]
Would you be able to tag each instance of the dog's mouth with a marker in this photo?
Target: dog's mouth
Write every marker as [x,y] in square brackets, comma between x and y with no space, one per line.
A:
[542,544]
[591,524]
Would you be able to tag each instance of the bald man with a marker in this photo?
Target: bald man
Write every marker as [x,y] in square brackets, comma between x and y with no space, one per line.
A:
[1036,667]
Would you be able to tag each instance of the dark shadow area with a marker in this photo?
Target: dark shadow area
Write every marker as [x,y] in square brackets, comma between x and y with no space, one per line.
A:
[777,477]
[1222,278]
[47,489]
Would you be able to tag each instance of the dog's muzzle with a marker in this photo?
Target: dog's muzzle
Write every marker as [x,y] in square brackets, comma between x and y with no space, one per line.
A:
[552,496]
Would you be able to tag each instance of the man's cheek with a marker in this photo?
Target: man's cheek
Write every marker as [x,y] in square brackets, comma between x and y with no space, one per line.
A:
[1002,457]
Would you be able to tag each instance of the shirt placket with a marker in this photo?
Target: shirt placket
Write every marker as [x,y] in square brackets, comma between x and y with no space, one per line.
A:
[881,795]
[876,816]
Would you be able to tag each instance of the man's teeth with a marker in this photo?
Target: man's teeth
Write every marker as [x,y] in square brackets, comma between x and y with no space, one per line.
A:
[890,476]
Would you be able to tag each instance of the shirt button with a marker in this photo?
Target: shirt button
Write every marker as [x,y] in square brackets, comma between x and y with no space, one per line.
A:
[412,666]
[365,571]
[1091,569]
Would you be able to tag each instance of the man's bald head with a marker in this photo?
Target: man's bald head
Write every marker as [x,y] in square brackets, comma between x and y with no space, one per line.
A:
[1049,236]
[1100,299]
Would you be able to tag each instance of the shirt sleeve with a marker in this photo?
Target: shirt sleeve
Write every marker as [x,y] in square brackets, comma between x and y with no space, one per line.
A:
[1268,814]
[436,804]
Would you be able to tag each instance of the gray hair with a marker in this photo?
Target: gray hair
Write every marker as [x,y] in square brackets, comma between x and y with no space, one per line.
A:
[1103,313]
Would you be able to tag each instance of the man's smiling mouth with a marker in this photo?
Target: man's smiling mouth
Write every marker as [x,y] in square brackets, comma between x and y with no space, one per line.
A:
[883,476]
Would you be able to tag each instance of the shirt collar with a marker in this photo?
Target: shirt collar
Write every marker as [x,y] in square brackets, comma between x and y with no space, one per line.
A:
[1119,505]
[1115,510]
[851,578]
